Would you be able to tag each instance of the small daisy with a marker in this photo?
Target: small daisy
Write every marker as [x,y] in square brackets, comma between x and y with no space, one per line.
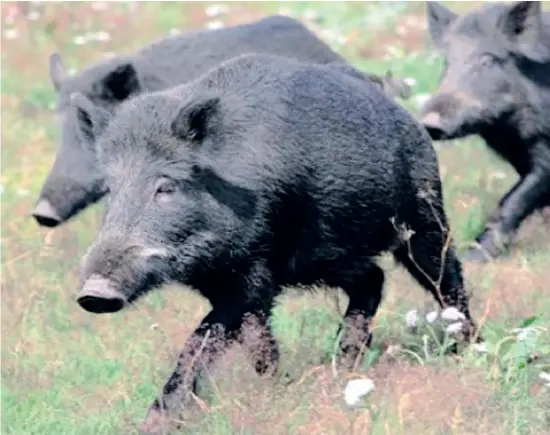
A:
[11,34]
[452,314]
[454,328]
[411,318]
[431,316]
[80,40]
[216,24]
[356,389]
[216,10]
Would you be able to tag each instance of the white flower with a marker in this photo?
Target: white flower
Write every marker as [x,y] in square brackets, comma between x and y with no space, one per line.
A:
[545,376]
[452,314]
[310,14]
[11,34]
[431,316]
[392,349]
[411,318]
[421,99]
[215,10]
[286,12]
[99,6]
[356,389]
[33,15]
[499,175]
[216,24]
[154,326]
[174,31]
[411,81]
[454,328]
[480,347]
[80,40]
[23,192]
[102,36]
[523,333]
[334,36]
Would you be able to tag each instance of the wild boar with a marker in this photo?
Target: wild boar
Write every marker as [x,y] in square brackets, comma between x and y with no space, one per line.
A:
[496,84]
[74,181]
[263,173]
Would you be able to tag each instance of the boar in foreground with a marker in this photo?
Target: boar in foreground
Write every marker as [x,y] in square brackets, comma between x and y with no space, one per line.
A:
[263,173]
[74,181]
[496,84]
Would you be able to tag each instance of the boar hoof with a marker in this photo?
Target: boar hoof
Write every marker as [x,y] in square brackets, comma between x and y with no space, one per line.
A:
[45,214]
[156,422]
[477,255]
[99,296]
[482,256]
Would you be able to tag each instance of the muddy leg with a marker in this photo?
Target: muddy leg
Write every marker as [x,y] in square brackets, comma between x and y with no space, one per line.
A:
[205,345]
[365,294]
[258,341]
[528,195]
[435,266]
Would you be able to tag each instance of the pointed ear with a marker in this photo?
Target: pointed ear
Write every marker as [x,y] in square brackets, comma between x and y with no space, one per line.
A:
[389,75]
[439,20]
[57,70]
[521,22]
[193,120]
[121,82]
[91,119]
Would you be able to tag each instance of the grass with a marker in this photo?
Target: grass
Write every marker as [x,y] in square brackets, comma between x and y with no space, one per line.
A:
[67,372]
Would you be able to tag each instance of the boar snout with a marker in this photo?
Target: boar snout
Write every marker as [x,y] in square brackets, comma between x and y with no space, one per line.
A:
[45,214]
[99,295]
[433,124]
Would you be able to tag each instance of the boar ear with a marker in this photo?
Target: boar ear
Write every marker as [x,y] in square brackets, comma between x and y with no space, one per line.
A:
[193,120]
[91,119]
[439,20]
[58,72]
[521,22]
[121,82]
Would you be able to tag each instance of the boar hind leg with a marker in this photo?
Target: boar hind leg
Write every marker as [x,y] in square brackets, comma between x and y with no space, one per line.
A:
[365,293]
[527,196]
[430,258]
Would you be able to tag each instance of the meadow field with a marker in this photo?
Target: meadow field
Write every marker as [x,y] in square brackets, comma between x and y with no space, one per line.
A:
[68,372]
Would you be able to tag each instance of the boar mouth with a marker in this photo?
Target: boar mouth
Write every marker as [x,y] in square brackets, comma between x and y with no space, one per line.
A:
[99,295]
[439,129]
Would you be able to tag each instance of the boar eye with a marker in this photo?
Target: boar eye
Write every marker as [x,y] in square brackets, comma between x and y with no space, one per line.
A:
[164,187]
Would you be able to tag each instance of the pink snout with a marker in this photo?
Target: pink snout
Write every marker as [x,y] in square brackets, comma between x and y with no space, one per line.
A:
[98,295]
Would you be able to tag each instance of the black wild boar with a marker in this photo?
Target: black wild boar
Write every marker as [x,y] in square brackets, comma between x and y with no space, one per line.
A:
[496,84]
[74,181]
[264,172]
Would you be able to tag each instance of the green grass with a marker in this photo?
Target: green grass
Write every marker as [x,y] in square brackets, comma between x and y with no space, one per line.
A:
[65,371]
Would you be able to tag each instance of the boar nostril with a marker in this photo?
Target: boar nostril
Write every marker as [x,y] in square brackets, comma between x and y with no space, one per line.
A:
[45,214]
[98,295]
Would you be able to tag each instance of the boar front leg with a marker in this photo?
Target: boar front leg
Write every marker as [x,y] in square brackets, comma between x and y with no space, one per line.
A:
[218,330]
[206,344]
[524,198]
